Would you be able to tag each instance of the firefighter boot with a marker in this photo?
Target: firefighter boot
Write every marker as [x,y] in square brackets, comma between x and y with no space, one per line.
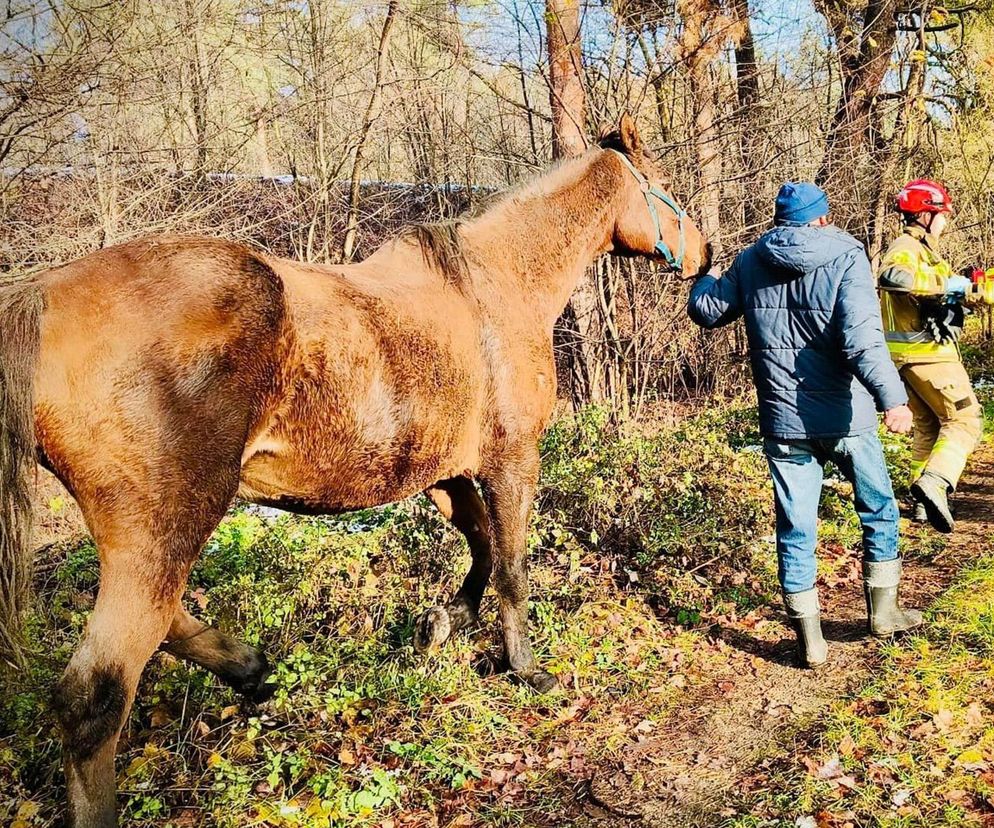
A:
[805,618]
[884,616]
[919,515]
[932,492]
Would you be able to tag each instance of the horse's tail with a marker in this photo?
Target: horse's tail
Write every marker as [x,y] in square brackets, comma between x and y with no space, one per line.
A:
[21,307]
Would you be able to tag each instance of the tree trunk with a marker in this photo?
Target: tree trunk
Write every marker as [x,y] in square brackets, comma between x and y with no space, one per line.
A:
[106,179]
[523,80]
[848,144]
[372,114]
[898,151]
[747,82]
[657,79]
[697,48]
[318,223]
[566,96]
[707,151]
[580,325]
[263,159]
[198,87]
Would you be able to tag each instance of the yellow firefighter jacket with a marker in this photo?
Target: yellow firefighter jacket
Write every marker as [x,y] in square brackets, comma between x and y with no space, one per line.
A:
[911,269]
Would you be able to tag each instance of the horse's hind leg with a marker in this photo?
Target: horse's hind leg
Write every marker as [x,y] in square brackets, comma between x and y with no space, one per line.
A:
[238,665]
[139,592]
[146,551]
[458,500]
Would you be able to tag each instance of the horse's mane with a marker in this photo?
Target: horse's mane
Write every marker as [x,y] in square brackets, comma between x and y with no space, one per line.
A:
[441,247]
[440,242]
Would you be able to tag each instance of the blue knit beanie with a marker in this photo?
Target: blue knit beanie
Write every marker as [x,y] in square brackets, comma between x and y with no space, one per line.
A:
[800,203]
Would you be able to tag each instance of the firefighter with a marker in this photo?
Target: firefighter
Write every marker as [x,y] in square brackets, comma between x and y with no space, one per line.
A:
[922,306]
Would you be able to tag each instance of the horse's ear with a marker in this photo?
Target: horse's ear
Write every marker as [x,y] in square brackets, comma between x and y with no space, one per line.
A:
[629,133]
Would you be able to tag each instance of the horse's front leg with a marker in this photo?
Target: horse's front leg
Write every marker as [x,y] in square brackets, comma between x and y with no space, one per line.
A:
[458,500]
[509,488]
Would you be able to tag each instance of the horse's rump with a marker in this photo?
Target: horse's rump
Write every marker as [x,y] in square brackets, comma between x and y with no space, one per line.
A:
[163,352]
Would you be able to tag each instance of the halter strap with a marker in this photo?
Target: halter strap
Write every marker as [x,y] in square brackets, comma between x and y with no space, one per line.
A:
[648,190]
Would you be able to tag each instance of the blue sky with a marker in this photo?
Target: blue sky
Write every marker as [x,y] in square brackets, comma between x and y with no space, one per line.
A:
[779,27]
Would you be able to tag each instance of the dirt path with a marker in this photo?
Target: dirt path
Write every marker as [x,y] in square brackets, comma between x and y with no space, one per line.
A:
[689,771]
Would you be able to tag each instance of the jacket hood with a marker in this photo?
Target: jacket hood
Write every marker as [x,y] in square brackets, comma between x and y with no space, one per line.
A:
[793,250]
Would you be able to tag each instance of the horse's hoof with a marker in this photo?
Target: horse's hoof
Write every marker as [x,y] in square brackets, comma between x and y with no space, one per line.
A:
[461,616]
[432,630]
[261,689]
[540,681]
[252,681]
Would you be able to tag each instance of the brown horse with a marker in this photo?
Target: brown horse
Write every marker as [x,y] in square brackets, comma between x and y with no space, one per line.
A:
[163,377]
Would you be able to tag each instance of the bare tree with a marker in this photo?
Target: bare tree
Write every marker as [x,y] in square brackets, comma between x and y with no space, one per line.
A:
[865,40]
[579,330]
[198,84]
[373,109]
[707,29]
[749,117]
[567,99]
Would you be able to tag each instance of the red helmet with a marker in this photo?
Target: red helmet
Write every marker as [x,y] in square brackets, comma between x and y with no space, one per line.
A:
[924,196]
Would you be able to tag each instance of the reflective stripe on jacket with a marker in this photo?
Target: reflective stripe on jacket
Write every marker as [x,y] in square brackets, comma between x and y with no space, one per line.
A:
[912,267]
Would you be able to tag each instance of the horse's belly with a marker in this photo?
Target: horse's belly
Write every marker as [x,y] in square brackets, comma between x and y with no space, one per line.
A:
[350,455]
[341,480]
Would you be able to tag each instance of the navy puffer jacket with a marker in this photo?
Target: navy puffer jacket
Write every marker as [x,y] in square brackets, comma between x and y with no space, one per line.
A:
[812,316]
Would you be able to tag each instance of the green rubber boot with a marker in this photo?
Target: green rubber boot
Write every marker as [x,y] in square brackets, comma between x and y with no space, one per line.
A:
[804,615]
[884,616]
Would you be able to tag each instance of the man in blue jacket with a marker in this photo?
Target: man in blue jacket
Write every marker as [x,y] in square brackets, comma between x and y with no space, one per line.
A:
[822,371]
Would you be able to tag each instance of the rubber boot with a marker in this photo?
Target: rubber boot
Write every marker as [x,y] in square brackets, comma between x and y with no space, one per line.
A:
[884,616]
[804,615]
[932,492]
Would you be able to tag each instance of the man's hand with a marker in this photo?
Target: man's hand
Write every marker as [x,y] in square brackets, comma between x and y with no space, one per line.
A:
[899,419]
[714,272]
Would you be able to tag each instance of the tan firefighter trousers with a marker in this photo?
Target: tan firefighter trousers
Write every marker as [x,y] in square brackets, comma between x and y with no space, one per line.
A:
[948,418]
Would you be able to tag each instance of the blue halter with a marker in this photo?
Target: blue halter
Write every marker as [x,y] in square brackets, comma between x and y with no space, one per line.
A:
[648,191]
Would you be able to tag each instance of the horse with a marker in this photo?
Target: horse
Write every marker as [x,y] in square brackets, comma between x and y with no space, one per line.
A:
[164,377]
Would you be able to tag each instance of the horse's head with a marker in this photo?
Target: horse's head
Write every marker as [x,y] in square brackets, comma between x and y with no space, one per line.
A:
[650,222]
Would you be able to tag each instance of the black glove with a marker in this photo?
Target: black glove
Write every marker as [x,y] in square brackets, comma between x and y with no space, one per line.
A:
[943,320]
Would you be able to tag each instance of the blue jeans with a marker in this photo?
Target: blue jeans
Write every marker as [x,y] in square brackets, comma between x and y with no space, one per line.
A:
[797,468]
